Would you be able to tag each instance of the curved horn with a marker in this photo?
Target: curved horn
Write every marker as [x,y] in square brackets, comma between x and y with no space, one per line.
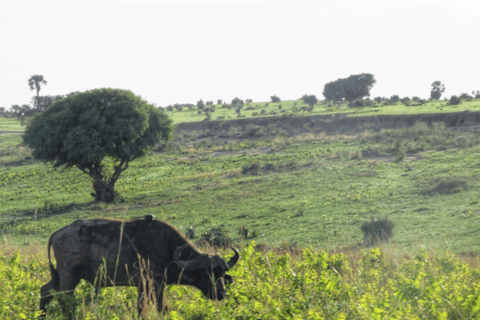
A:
[234,259]
[178,252]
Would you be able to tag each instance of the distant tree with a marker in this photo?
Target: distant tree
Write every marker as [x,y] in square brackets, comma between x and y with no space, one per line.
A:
[437,89]
[311,100]
[36,82]
[350,89]
[170,108]
[219,101]
[274,98]
[200,104]
[43,102]
[394,99]
[237,102]
[94,130]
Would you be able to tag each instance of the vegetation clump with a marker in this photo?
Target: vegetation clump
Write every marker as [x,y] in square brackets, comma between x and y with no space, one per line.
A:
[454,100]
[447,185]
[215,237]
[375,231]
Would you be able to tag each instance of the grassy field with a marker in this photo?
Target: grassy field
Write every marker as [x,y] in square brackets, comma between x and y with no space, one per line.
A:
[303,190]
[10,125]
[304,196]
[266,109]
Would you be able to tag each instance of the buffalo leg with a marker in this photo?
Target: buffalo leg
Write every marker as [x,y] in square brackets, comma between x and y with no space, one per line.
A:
[45,297]
[68,282]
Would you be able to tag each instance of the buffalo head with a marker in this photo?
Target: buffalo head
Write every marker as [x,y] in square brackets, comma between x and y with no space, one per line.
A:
[205,272]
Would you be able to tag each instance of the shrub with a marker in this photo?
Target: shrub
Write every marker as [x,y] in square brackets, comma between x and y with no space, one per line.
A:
[375,231]
[454,100]
[216,237]
[359,103]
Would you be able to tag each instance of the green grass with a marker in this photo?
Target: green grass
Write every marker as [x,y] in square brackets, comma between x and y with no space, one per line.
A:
[308,191]
[295,107]
[10,125]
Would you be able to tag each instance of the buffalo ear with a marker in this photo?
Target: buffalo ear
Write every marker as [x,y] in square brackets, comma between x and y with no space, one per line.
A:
[228,279]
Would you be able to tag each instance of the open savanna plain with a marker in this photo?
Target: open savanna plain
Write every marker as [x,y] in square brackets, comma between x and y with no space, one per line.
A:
[293,202]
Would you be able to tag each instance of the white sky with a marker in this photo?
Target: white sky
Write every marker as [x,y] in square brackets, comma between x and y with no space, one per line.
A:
[180,51]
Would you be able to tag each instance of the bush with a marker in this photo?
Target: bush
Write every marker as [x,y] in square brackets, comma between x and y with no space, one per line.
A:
[216,237]
[359,103]
[454,100]
[274,98]
[375,231]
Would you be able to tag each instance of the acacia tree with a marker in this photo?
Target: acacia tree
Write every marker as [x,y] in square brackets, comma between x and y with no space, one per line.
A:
[35,83]
[100,132]
[351,88]
[437,89]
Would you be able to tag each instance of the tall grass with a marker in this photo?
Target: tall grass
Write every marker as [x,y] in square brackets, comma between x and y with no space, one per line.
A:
[376,283]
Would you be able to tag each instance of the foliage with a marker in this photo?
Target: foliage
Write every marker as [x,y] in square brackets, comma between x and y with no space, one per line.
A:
[311,100]
[237,102]
[94,130]
[394,99]
[437,89]
[375,231]
[454,100]
[350,89]
[274,98]
[370,284]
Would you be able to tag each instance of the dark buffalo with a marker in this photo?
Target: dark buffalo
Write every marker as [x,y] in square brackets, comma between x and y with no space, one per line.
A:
[130,253]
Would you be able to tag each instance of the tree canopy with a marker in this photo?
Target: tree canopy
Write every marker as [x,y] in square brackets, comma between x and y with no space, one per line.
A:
[437,89]
[350,89]
[89,129]
[311,100]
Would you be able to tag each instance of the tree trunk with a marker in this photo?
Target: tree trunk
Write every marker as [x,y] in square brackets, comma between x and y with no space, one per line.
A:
[104,192]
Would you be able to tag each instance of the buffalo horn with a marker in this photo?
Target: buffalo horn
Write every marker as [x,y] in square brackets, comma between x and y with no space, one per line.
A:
[178,252]
[234,259]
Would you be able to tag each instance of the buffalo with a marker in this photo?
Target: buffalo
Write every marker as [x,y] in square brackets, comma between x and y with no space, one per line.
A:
[146,253]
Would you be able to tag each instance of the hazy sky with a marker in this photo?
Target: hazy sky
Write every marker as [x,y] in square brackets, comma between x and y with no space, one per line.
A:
[180,51]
